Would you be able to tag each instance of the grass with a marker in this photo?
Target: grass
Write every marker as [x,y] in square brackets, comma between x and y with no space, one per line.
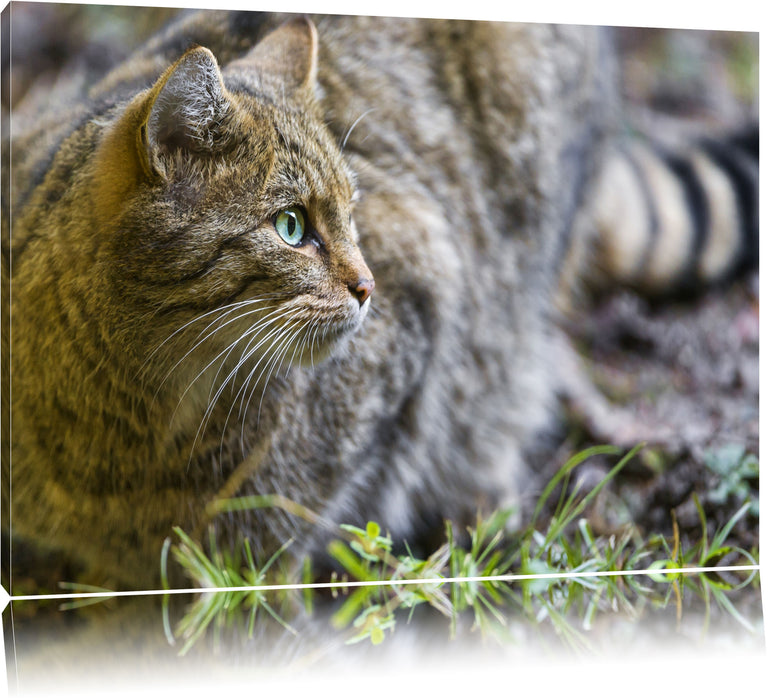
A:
[565,544]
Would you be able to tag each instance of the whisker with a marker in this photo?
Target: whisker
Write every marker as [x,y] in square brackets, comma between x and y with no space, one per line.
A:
[275,351]
[209,335]
[280,335]
[253,331]
[255,328]
[269,365]
[286,339]
[225,309]
[213,398]
[300,345]
[353,126]
[263,392]
[312,345]
[306,341]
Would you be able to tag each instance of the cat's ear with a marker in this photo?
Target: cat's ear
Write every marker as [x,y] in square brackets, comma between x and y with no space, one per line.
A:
[184,110]
[286,59]
[185,107]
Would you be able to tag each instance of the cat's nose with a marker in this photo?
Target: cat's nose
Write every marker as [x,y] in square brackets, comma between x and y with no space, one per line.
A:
[361,289]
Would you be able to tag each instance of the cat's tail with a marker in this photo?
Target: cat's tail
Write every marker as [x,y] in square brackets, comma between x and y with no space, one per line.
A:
[669,222]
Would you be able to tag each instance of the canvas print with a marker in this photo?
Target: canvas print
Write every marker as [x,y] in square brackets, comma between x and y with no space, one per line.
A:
[335,300]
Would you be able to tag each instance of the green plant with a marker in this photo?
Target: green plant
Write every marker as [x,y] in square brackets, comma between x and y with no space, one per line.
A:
[235,572]
[547,571]
[705,555]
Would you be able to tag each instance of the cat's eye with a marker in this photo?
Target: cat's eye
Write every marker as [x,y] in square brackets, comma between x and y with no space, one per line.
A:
[290,225]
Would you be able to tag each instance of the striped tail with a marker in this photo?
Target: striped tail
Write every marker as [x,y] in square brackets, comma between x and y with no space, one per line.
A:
[666,223]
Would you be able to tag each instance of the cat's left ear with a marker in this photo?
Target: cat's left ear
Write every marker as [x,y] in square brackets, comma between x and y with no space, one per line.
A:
[185,108]
[286,59]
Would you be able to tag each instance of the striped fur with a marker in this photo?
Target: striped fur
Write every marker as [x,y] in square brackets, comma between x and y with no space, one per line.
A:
[469,167]
[668,222]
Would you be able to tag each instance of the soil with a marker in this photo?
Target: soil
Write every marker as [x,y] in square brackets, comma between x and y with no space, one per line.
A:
[684,376]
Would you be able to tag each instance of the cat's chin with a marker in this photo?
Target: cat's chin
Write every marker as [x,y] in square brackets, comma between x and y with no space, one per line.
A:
[334,342]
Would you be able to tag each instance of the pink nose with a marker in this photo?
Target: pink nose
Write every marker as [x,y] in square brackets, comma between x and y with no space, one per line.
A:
[361,289]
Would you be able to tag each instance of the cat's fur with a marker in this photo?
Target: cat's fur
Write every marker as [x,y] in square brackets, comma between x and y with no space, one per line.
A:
[473,155]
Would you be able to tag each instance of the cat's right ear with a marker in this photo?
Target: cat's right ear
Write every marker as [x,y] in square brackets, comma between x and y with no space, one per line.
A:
[184,109]
[282,64]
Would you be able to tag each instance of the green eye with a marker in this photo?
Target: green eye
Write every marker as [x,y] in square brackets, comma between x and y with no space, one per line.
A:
[290,224]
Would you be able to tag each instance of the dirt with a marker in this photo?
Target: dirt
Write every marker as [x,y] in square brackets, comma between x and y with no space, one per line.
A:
[685,377]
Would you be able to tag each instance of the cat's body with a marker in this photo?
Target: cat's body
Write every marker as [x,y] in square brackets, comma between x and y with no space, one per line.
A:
[470,192]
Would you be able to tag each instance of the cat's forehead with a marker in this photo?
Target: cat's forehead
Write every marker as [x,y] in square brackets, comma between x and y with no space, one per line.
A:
[306,157]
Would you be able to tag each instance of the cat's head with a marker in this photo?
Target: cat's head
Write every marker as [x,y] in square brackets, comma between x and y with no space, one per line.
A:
[230,207]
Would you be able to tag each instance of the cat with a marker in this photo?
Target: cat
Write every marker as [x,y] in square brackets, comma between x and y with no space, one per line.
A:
[320,258]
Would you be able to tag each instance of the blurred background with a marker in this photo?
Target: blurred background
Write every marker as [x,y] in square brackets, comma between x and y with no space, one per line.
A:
[710,75]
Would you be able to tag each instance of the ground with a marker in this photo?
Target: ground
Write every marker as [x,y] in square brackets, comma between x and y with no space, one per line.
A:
[685,377]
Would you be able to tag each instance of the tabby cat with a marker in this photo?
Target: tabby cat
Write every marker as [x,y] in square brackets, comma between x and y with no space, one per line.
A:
[319,258]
